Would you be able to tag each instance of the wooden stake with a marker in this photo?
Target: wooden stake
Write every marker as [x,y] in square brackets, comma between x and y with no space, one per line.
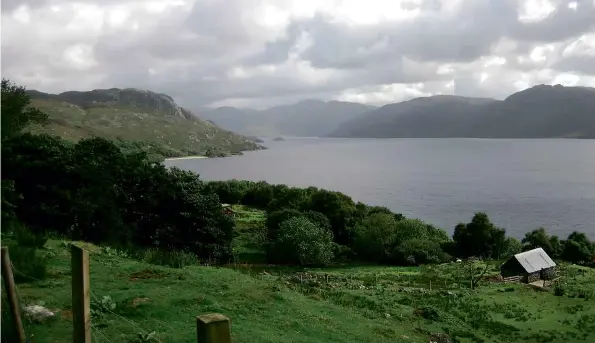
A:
[13,303]
[213,328]
[81,309]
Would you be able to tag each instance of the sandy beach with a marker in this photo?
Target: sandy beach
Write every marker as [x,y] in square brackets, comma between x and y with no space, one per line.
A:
[184,158]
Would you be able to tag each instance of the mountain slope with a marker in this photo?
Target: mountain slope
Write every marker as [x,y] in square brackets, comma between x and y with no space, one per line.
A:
[538,112]
[307,118]
[154,121]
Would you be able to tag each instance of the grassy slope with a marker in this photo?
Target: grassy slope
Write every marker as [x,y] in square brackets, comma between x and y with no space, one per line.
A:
[171,136]
[358,304]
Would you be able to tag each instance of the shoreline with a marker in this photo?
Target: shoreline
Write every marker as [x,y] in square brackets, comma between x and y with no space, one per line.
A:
[184,158]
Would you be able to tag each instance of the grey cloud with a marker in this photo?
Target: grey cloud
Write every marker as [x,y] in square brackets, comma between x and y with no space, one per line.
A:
[577,64]
[192,52]
[562,24]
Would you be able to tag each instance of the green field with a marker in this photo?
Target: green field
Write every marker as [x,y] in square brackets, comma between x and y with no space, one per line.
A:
[342,303]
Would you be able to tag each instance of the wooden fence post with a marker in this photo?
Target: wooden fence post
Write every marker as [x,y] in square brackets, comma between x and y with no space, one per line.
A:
[81,309]
[213,328]
[13,303]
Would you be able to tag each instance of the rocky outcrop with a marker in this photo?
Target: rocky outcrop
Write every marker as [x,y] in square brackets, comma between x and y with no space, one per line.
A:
[158,102]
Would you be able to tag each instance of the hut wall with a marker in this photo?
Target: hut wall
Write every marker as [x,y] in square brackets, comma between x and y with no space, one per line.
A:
[532,277]
[549,273]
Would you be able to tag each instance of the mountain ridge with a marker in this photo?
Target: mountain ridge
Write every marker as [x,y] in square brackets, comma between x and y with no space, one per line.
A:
[305,118]
[541,111]
[137,118]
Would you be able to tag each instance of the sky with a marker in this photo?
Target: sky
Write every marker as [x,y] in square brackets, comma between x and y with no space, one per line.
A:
[260,53]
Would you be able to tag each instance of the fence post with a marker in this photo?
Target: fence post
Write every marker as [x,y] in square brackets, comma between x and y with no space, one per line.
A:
[81,309]
[13,303]
[213,328]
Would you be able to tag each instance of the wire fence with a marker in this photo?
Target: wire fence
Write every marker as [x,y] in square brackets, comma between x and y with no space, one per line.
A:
[134,331]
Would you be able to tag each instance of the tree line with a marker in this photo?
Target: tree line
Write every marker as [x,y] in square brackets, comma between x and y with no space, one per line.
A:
[94,190]
[318,221]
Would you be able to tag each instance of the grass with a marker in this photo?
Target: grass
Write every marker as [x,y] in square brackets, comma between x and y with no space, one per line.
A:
[336,304]
[138,128]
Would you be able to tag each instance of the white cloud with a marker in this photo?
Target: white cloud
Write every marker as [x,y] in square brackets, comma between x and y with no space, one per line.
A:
[262,52]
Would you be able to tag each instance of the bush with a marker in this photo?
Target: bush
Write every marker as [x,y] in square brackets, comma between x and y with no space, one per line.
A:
[27,238]
[559,289]
[302,242]
[419,251]
[173,259]
[28,264]
[342,252]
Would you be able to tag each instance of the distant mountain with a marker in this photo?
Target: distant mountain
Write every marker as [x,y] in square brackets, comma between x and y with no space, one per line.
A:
[307,118]
[538,112]
[154,121]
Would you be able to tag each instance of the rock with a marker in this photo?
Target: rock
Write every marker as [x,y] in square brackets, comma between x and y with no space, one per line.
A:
[137,301]
[439,337]
[37,313]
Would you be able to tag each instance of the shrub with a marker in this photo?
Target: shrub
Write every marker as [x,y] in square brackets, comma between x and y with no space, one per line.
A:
[419,251]
[559,289]
[28,264]
[342,252]
[173,259]
[302,242]
[27,238]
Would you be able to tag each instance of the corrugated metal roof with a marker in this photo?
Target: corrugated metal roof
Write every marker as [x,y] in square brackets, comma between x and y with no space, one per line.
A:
[535,260]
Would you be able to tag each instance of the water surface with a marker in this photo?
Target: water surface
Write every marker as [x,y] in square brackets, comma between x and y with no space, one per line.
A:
[521,184]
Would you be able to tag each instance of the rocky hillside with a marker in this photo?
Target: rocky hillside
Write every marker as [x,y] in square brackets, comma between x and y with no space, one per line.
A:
[306,118]
[538,112]
[137,119]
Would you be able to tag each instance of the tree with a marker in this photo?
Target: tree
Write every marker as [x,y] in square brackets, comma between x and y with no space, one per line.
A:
[474,271]
[93,191]
[16,110]
[44,180]
[230,192]
[479,238]
[578,248]
[415,228]
[338,208]
[418,251]
[512,246]
[303,243]
[376,237]
[275,218]
[259,195]
[538,239]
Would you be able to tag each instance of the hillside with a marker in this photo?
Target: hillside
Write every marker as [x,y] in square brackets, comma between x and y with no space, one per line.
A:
[538,112]
[307,118]
[131,295]
[153,120]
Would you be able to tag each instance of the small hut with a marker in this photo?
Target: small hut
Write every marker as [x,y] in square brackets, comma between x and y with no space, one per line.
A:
[227,209]
[530,266]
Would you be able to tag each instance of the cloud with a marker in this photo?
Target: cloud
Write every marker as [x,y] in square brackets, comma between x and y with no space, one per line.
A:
[258,53]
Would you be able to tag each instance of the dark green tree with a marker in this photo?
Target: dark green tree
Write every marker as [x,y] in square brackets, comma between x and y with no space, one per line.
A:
[376,237]
[418,251]
[338,208]
[578,248]
[480,238]
[303,243]
[512,246]
[17,112]
[42,170]
[538,239]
